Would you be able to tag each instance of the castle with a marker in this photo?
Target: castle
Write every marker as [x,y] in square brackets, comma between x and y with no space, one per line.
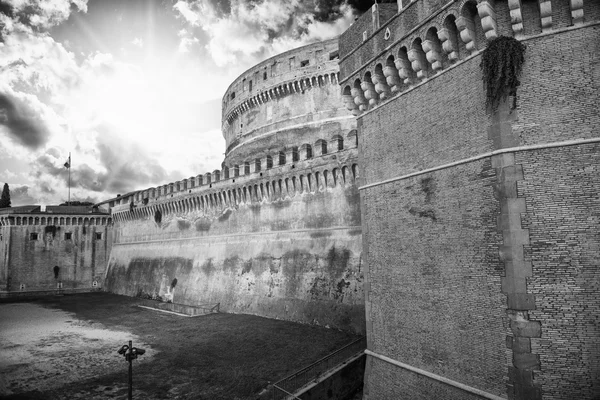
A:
[367,187]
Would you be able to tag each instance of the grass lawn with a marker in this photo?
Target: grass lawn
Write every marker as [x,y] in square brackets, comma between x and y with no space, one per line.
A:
[217,356]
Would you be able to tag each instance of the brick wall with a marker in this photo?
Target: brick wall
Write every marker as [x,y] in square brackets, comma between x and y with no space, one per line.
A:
[442,121]
[434,300]
[561,189]
[560,87]
[438,245]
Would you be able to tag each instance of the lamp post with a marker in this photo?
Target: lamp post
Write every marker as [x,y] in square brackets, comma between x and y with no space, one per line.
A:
[130,353]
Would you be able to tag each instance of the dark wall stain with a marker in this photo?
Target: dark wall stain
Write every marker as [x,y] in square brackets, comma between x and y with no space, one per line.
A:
[294,264]
[280,225]
[255,208]
[423,213]
[225,216]
[231,264]
[319,221]
[281,204]
[208,267]
[428,186]
[247,267]
[50,229]
[337,260]
[355,232]
[320,234]
[183,224]
[143,276]
[202,225]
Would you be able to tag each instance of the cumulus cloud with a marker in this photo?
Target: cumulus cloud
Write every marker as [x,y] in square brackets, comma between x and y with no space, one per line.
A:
[19,196]
[255,30]
[22,121]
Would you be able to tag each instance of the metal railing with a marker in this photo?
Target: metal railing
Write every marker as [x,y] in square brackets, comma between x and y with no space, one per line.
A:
[284,388]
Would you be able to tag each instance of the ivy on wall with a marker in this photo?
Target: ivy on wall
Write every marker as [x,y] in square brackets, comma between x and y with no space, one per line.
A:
[501,66]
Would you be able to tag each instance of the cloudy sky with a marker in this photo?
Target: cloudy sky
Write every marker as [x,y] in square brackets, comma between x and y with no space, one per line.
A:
[132,88]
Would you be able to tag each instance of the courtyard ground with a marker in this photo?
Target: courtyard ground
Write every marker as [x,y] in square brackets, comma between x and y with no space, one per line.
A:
[65,347]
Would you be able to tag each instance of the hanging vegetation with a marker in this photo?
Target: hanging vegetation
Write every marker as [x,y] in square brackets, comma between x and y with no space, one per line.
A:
[501,65]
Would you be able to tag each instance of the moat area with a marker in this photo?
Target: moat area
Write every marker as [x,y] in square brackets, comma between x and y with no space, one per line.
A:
[65,347]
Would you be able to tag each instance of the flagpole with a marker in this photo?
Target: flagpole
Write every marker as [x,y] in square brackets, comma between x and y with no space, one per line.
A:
[69,195]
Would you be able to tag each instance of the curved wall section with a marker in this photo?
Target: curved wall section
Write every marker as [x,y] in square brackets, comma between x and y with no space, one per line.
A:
[285,246]
[282,102]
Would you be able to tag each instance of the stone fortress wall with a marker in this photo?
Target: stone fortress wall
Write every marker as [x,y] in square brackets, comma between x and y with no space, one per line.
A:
[481,238]
[33,242]
[276,232]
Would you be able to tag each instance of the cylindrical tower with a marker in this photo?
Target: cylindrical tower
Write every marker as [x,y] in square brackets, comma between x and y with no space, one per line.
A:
[282,104]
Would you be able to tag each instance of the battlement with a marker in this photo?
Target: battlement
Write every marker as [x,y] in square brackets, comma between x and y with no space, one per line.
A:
[305,176]
[422,41]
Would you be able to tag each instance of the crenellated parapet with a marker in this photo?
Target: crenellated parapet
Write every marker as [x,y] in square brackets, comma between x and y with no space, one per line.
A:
[319,173]
[27,219]
[409,52]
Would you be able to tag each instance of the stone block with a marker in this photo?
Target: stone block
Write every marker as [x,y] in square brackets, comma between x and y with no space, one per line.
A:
[511,173]
[527,392]
[510,253]
[518,269]
[503,160]
[521,345]
[505,190]
[526,328]
[513,206]
[515,237]
[521,301]
[526,361]
[513,286]
[520,376]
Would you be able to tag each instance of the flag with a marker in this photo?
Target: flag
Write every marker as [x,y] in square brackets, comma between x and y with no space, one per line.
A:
[68,163]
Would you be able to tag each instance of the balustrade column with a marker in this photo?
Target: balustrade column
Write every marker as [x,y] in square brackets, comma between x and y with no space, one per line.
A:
[404,68]
[432,53]
[488,19]
[369,92]
[516,17]
[359,98]
[381,86]
[577,11]
[467,32]
[448,46]
[416,63]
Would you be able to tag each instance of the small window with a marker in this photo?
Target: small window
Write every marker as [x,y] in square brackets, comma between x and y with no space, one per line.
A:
[250,85]
[232,95]
[334,56]
[68,235]
[98,235]
[304,63]
[33,236]
[365,36]
[265,76]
